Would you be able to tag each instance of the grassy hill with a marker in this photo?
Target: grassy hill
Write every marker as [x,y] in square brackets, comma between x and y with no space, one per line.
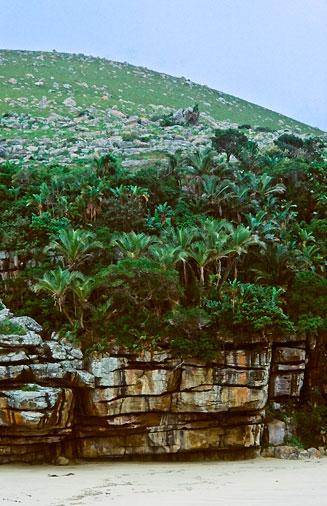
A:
[38,83]
[64,108]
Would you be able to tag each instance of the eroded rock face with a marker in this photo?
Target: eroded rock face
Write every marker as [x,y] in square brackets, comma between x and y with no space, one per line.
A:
[156,404]
[287,372]
[53,403]
[38,382]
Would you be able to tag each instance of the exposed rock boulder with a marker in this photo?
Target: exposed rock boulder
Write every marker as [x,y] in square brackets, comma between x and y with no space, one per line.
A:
[188,116]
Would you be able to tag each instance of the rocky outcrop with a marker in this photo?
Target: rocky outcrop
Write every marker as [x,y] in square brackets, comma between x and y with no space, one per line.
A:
[38,381]
[154,404]
[53,403]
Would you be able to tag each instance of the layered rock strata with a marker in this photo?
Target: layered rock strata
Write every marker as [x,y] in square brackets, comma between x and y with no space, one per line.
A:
[52,402]
[158,405]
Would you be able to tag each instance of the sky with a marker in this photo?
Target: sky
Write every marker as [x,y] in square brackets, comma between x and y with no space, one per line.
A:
[270,52]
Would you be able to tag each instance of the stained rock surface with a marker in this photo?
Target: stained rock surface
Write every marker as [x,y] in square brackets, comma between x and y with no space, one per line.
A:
[55,404]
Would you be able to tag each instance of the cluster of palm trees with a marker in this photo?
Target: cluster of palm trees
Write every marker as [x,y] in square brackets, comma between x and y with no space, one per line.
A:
[200,219]
[210,251]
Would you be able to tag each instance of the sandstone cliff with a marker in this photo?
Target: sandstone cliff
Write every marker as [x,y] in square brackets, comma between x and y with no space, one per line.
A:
[53,403]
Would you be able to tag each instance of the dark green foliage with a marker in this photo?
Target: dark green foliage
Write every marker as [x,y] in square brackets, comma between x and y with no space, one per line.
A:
[246,309]
[308,149]
[307,300]
[230,141]
[311,423]
[177,257]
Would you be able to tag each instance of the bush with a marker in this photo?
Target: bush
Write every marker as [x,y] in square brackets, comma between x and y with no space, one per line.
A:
[245,309]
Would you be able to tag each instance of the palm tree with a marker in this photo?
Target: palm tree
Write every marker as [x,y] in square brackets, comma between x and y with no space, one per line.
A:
[133,244]
[215,192]
[82,288]
[181,238]
[74,246]
[264,185]
[199,165]
[202,161]
[202,255]
[57,283]
[40,199]
[239,199]
[238,244]
[167,256]
[276,264]
[93,196]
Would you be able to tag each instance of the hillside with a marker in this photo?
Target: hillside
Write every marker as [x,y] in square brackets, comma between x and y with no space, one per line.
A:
[58,107]
[134,222]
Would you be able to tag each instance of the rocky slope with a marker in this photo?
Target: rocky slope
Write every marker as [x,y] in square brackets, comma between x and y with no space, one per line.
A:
[59,108]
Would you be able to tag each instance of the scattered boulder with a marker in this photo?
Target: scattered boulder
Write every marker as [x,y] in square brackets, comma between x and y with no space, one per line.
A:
[69,102]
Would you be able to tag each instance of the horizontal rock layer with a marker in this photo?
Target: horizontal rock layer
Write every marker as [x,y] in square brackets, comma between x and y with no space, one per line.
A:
[53,402]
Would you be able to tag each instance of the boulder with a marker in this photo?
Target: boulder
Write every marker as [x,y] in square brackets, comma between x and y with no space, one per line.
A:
[276,432]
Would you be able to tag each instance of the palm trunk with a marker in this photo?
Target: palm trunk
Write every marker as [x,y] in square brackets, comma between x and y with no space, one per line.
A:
[201,275]
[185,273]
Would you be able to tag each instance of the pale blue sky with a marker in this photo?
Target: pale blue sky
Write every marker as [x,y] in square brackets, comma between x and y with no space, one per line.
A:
[271,52]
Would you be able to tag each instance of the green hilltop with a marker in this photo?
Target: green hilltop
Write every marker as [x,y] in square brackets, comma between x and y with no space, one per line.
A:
[37,83]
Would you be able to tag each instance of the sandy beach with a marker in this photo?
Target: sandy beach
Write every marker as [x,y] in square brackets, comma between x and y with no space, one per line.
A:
[262,481]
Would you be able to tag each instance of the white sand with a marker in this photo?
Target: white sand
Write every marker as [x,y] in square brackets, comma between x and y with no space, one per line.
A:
[264,482]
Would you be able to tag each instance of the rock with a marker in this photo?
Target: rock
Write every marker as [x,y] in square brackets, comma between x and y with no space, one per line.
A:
[117,114]
[12,80]
[250,359]
[286,384]
[29,340]
[69,102]
[189,116]
[27,322]
[286,452]
[276,432]
[288,355]
[127,404]
[61,461]
[313,453]
[4,314]
[107,370]
[218,399]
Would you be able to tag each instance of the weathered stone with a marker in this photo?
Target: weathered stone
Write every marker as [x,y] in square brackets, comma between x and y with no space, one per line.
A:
[314,453]
[13,356]
[4,312]
[27,322]
[12,372]
[286,385]
[276,432]
[44,407]
[220,398]
[287,355]
[69,102]
[149,382]
[252,359]
[56,350]
[139,404]
[27,340]
[98,403]
[107,370]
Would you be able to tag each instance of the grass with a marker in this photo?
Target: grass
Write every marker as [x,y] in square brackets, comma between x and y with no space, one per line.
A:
[102,84]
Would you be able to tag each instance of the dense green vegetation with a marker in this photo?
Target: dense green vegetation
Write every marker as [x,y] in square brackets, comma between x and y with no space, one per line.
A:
[223,243]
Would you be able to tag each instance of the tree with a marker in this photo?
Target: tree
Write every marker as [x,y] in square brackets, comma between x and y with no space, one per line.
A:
[132,244]
[74,247]
[230,141]
[57,283]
